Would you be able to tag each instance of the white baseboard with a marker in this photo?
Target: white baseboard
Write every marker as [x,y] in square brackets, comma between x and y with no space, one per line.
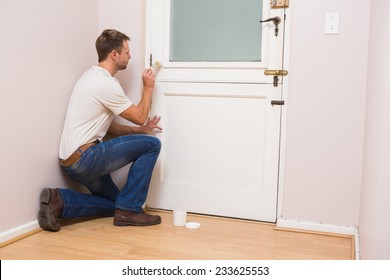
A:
[321,227]
[19,231]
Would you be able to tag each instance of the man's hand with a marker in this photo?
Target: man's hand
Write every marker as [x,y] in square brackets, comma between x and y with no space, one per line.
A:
[151,124]
[148,78]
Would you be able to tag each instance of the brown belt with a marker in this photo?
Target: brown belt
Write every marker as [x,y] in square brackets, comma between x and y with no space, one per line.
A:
[73,158]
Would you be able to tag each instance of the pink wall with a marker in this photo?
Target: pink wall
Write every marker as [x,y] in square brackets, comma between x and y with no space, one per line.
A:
[374,212]
[325,113]
[45,46]
[128,17]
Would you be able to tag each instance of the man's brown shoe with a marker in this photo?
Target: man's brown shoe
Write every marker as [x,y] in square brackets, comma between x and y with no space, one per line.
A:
[127,218]
[50,209]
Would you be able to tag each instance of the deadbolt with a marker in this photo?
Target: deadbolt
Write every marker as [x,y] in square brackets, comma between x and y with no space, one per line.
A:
[275,72]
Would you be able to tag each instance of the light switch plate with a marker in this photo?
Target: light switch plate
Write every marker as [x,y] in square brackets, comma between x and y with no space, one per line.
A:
[332,23]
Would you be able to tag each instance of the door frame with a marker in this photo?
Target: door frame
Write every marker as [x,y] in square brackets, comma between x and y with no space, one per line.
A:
[284,115]
[285,95]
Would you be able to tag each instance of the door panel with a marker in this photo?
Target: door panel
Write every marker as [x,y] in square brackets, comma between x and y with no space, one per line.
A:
[220,144]
[218,149]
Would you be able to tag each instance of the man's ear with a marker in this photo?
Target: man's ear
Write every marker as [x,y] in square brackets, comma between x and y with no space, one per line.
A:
[114,54]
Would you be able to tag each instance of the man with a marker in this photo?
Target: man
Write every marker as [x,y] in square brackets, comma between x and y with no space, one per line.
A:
[96,98]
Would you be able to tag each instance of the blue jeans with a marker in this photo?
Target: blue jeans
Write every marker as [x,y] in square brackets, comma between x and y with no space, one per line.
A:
[93,171]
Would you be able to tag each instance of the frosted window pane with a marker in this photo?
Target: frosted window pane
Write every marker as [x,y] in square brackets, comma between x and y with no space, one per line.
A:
[215,30]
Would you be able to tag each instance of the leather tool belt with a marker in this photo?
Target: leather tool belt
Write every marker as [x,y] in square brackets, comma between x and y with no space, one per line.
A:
[73,158]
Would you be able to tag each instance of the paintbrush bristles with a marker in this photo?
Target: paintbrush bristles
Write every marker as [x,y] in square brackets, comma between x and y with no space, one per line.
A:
[157,65]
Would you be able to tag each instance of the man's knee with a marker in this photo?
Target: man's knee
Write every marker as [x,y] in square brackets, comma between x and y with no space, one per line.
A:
[157,143]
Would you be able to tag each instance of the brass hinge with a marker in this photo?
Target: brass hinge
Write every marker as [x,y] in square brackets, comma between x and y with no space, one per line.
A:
[279,4]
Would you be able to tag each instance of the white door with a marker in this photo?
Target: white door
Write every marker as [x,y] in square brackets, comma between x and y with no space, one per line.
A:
[220,144]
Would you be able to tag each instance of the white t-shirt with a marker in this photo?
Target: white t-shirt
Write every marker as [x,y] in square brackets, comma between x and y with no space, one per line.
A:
[96,98]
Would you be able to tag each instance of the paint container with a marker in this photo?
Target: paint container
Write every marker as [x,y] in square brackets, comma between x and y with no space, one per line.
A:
[179,218]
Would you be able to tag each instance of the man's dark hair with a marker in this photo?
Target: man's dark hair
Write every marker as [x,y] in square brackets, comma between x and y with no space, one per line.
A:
[109,40]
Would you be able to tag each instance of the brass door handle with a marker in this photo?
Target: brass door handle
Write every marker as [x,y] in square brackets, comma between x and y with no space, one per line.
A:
[276,20]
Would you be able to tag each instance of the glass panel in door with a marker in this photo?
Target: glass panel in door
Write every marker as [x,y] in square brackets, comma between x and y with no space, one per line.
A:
[215,31]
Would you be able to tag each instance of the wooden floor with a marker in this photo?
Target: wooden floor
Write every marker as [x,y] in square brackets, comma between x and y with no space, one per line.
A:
[216,239]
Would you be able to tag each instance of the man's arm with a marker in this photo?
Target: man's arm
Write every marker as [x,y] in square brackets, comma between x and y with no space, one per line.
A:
[116,129]
[151,124]
[139,113]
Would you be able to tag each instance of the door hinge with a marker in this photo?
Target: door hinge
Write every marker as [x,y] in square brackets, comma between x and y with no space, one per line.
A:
[277,102]
[279,4]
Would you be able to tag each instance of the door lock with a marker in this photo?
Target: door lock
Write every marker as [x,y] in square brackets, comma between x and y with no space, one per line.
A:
[276,20]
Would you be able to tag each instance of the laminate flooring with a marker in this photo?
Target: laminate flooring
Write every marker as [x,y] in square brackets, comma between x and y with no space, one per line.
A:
[216,239]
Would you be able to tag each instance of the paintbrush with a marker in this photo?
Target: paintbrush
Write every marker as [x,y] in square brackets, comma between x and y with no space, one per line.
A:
[156,66]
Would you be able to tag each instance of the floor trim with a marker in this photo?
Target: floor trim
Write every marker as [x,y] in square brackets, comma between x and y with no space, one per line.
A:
[19,233]
[322,228]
